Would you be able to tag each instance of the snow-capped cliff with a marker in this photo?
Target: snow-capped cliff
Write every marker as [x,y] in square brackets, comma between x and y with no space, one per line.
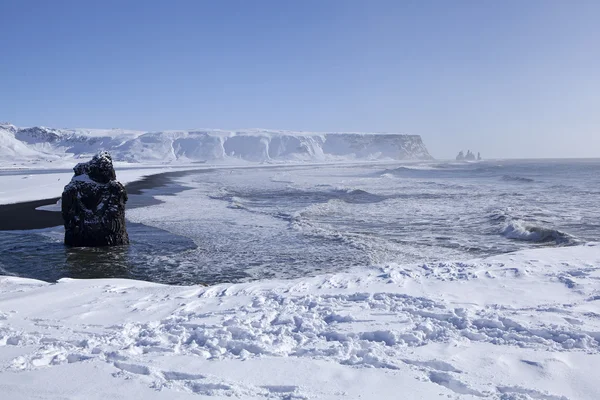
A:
[46,144]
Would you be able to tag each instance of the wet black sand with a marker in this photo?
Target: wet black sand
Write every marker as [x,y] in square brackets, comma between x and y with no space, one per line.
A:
[23,216]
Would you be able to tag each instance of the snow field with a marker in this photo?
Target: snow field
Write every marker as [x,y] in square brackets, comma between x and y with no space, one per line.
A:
[518,326]
[36,185]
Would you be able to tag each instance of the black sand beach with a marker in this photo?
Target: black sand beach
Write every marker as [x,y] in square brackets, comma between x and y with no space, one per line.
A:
[24,216]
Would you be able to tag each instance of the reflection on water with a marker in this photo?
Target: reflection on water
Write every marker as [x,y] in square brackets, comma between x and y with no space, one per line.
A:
[153,255]
[42,255]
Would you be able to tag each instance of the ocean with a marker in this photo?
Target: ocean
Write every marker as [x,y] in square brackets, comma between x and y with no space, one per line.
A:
[241,224]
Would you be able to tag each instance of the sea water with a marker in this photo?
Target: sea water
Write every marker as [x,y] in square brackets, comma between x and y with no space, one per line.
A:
[239,224]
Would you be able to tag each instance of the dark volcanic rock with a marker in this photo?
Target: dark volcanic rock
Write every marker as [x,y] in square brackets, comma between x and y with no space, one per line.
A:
[93,205]
[470,156]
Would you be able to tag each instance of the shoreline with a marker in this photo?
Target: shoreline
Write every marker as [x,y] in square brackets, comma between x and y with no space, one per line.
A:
[25,216]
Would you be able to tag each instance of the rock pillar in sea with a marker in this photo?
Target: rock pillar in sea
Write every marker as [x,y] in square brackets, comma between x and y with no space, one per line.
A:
[93,205]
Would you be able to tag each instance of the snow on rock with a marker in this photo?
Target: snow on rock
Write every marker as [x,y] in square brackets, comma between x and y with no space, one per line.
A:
[46,144]
[93,205]
[516,326]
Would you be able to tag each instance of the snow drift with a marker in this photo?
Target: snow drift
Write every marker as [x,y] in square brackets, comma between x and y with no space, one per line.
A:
[40,143]
[518,326]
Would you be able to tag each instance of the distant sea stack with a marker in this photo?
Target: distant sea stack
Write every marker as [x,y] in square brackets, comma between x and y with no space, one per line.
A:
[470,156]
[93,205]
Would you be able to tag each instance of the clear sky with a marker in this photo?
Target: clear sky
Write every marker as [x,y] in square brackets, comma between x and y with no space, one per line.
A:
[507,78]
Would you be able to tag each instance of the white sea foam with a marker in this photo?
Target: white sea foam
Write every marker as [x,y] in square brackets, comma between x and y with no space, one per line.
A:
[520,230]
[354,217]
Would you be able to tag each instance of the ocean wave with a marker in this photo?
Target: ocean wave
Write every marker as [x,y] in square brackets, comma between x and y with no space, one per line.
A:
[520,230]
[359,196]
[421,167]
[236,203]
[459,165]
[4,272]
[498,215]
[514,178]
[402,170]
[458,170]
[356,192]
[515,228]
[511,194]
[406,172]
[487,168]
[397,171]
[368,249]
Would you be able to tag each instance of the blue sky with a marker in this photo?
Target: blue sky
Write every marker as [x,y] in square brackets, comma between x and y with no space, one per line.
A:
[507,78]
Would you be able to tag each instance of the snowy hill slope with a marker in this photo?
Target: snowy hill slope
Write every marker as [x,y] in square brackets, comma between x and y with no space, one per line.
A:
[46,144]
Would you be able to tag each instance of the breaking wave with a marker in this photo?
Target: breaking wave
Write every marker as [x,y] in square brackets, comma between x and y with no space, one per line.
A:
[517,229]
[251,200]
[358,196]
[366,249]
[413,169]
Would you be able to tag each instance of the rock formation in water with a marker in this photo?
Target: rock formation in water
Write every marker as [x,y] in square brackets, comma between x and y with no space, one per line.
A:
[478,156]
[470,156]
[93,205]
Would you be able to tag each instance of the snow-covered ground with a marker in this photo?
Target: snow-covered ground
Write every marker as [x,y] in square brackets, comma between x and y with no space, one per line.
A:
[518,326]
[17,186]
